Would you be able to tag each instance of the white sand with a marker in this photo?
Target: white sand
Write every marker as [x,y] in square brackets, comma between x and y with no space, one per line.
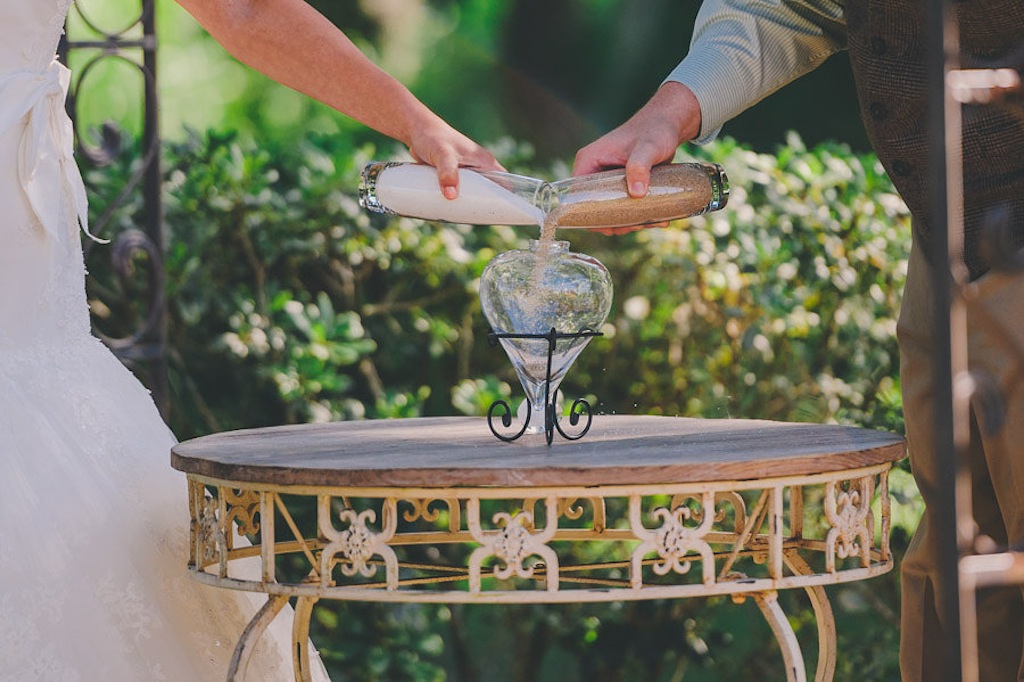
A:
[412,190]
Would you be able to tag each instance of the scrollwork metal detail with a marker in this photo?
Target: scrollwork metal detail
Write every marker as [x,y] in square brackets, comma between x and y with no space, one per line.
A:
[735,500]
[422,509]
[674,541]
[512,544]
[580,407]
[355,545]
[570,509]
[849,513]
[242,509]
[211,538]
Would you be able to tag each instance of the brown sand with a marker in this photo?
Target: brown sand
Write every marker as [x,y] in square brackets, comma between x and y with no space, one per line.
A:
[542,254]
[601,200]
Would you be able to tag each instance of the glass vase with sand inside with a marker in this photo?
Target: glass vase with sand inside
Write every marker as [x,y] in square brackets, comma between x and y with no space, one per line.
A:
[544,304]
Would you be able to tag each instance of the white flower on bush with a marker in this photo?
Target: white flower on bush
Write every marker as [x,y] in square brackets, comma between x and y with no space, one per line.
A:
[258,340]
[320,412]
[786,271]
[235,344]
[636,307]
[762,345]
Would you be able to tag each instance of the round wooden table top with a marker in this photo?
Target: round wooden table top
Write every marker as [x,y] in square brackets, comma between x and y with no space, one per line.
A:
[461,451]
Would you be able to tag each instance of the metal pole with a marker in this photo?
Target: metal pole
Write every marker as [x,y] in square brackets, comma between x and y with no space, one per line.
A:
[946,232]
[154,209]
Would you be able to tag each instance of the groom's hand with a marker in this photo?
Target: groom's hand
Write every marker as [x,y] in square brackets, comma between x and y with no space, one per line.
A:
[651,136]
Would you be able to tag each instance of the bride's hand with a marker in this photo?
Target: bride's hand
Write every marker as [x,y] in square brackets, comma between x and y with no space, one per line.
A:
[294,44]
[438,144]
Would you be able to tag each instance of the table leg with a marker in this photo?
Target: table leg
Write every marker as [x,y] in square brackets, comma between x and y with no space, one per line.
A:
[300,638]
[251,635]
[826,633]
[768,602]
[823,616]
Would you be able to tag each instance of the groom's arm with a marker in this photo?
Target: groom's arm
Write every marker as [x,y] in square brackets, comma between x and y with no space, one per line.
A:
[742,51]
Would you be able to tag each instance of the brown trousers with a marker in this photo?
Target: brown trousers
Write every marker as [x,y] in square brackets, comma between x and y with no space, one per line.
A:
[997,465]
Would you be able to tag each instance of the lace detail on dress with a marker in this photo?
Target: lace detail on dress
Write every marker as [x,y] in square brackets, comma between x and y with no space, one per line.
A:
[64,295]
[25,229]
[51,306]
[39,49]
[20,639]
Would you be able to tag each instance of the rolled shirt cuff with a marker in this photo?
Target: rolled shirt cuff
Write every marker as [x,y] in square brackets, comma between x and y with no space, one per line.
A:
[720,94]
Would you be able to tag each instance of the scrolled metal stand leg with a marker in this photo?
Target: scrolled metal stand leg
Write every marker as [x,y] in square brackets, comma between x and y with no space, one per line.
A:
[579,407]
[300,638]
[768,602]
[251,636]
[825,619]
[826,633]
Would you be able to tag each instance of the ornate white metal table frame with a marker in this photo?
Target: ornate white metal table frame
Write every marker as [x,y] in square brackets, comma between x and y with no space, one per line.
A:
[512,543]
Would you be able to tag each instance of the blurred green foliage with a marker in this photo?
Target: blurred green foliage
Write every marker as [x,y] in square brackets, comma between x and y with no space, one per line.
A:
[781,306]
[555,73]
[288,303]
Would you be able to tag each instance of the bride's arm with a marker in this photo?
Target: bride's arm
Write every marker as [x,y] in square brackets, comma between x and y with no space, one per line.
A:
[297,46]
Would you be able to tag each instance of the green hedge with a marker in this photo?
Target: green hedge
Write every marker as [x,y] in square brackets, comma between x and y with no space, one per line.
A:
[288,303]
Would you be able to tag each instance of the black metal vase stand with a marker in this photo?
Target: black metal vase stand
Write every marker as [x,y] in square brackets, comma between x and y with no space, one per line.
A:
[580,407]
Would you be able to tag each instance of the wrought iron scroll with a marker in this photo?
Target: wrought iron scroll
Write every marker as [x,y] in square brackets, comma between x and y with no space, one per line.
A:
[537,545]
[580,407]
[135,253]
[491,544]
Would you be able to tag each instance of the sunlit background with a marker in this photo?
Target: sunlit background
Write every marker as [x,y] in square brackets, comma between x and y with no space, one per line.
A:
[553,73]
[287,303]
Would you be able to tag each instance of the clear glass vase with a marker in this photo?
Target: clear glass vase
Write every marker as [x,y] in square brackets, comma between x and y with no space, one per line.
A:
[541,303]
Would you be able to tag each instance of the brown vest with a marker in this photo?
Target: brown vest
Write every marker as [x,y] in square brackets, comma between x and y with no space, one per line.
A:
[888,45]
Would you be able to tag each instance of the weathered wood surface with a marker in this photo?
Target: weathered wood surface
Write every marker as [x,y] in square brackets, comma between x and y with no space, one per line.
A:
[461,451]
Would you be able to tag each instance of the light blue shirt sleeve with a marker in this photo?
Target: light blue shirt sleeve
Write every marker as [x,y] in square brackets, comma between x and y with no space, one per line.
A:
[744,50]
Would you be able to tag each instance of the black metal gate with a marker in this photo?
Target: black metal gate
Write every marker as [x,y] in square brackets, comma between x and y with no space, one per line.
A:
[134,262]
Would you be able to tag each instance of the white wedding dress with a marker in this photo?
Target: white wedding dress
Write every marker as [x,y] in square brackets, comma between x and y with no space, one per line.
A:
[93,520]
